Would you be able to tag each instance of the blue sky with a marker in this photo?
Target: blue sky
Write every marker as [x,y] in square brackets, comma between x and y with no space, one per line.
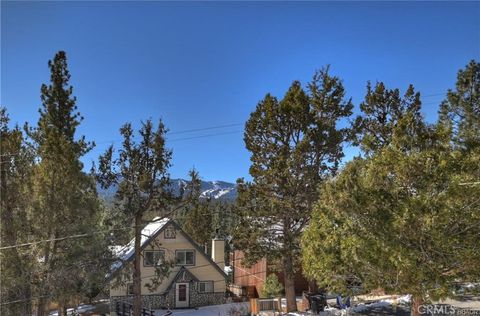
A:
[207,64]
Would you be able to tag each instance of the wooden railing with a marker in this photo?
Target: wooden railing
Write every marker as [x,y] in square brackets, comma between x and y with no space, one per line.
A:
[258,305]
[126,309]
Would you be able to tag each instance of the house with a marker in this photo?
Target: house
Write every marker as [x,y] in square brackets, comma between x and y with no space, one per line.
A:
[195,279]
[248,281]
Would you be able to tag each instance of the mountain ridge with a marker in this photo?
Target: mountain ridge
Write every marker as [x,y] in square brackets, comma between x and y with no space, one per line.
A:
[216,190]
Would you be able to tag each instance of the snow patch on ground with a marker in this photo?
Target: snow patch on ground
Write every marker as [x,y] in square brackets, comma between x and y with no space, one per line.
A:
[215,310]
[382,303]
[361,307]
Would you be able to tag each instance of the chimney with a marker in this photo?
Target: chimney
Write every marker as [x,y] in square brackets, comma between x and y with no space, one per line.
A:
[218,252]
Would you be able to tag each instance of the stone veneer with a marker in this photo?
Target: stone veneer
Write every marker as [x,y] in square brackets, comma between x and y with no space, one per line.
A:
[159,301]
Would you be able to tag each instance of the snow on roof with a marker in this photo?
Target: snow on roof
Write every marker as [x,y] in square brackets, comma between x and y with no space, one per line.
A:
[228,269]
[124,253]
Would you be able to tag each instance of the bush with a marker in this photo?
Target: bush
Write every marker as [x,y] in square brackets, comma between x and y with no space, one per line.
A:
[272,287]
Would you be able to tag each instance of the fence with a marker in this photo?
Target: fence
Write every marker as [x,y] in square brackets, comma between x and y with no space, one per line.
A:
[125,309]
[258,305]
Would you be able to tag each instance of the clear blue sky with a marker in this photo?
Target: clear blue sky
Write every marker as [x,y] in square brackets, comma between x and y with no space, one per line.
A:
[199,65]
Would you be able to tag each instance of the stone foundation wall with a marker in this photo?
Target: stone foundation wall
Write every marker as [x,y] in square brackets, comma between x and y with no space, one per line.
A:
[152,301]
[204,299]
[159,301]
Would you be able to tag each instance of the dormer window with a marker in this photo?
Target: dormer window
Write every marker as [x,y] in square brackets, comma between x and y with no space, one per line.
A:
[170,232]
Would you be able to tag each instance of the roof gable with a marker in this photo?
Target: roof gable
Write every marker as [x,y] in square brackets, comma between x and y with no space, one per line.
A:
[150,233]
[183,276]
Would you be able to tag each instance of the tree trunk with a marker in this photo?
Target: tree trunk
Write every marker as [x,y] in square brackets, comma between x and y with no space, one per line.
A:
[62,309]
[312,286]
[27,307]
[416,306]
[289,285]
[43,302]
[41,306]
[137,281]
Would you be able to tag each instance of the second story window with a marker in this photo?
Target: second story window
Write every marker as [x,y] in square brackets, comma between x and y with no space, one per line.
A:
[185,257]
[153,258]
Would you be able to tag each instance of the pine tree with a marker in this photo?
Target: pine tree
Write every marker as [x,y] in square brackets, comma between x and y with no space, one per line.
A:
[63,199]
[272,286]
[295,144]
[404,218]
[198,222]
[140,170]
[16,162]
[384,113]
[461,110]
[141,173]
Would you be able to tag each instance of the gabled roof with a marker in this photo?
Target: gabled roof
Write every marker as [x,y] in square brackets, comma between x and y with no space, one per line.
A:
[149,233]
[184,274]
[126,253]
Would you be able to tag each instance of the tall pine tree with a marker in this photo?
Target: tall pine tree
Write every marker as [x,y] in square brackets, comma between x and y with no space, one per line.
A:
[295,145]
[404,218]
[63,199]
[461,109]
[140,171]
[16,165]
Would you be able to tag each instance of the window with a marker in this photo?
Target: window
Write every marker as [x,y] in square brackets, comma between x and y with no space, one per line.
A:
[170,232]
[185,257]
[153,258]
[130,289]
[205,287]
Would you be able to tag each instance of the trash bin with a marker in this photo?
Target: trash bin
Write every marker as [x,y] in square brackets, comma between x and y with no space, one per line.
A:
[318,303]
[314,305]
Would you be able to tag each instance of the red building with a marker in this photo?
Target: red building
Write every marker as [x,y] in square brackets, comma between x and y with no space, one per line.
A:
[251,279]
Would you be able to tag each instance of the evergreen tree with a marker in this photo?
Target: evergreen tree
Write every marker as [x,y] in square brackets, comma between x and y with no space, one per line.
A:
[141,173]
[384,113]
[405,218]
[461,110]
[16,162]
[295,144]
[199,222]
[272,287]
[63,198]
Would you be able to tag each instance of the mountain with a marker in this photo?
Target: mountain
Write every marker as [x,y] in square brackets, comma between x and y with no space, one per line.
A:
[217,190]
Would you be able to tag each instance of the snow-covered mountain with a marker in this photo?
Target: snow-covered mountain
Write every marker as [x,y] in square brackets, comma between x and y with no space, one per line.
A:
[217,190]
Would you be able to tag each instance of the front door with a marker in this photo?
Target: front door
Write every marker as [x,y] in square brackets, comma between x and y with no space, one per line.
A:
[182,295]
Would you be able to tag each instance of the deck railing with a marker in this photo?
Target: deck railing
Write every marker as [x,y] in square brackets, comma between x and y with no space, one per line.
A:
[258,305]
[126,309]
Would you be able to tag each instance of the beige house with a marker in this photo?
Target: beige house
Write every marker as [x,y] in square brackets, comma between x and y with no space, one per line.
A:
[195,279]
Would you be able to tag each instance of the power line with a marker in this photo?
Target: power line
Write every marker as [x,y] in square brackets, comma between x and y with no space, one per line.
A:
[150,276]
[183,131]
[205,128]
[203,136]
[171,212]
[433,95]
